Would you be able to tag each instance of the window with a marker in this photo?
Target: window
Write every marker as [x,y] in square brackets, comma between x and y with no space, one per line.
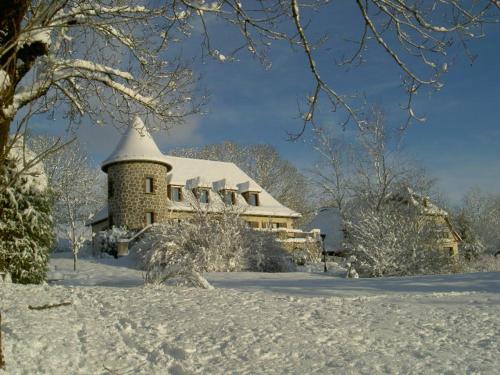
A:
[203,196]
[252,199]
[229,197]
[149,185]
[253,224]
[110,188]
[175,193]
[150,218]
[278,225]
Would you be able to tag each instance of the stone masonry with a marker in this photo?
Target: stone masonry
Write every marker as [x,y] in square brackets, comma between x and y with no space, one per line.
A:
[128,200]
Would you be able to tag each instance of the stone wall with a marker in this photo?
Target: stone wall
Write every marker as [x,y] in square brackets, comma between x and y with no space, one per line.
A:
[129,201]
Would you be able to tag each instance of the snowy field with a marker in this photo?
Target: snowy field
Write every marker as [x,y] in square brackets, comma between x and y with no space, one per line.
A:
[296,323]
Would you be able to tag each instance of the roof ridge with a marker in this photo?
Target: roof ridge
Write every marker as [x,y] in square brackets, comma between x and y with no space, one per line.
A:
[200,159]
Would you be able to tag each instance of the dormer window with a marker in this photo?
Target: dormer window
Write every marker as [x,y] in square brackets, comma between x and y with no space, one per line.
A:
[149,186]
[252,198]
[202,195]
[175,193]
[250,191]
[229,197]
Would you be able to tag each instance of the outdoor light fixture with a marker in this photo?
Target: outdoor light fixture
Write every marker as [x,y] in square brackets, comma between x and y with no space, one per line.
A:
[323,236]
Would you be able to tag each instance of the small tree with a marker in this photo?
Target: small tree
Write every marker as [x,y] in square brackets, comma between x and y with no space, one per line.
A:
[76,188]
[481,211]
[471,247]
[26,227]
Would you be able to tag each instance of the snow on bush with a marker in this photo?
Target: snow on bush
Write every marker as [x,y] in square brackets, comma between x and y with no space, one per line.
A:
[208,243]
[471,246]
[481,263]
[107,239]
[26,226]
[392,242]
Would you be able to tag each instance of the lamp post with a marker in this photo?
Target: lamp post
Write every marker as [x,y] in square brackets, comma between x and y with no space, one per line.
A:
[323,236]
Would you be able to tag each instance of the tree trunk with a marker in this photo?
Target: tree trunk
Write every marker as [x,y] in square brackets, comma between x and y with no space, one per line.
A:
[4,137]
[2,361]
[74,261]
[11,18]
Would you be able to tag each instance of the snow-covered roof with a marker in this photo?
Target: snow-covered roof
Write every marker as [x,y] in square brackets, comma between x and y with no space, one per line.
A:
[420,202]
[249,186]
[198,182]
[100,215]
[136,145]
[213,172]
[329,221]
[224,184]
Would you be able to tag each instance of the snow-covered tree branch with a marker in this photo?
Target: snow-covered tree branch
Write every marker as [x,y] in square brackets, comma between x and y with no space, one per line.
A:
[417,36]
[365,166]
[101,59]
[114,57]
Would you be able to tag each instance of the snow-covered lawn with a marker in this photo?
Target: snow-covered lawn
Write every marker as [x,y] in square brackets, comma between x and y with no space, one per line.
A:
[297,323]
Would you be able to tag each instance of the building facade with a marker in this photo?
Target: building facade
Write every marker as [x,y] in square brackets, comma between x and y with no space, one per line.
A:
[146,187]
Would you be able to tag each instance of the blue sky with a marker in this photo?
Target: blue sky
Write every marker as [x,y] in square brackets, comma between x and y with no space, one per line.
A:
[458,144]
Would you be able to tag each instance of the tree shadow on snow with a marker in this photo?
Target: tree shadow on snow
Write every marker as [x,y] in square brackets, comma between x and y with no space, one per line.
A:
[306,284]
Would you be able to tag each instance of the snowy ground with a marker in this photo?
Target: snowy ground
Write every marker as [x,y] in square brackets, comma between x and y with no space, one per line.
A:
[297,323]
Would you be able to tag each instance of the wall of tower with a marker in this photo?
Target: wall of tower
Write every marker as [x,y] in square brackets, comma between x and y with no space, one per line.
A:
[128,201]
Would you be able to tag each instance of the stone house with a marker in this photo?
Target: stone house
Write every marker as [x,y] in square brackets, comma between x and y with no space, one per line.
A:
[329,221]
[146,187]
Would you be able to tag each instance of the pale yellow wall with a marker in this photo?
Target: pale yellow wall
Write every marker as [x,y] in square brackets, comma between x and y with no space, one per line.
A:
[448,242]
[262,221]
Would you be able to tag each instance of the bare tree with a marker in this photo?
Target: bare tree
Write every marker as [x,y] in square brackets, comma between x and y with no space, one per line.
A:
[76,186]
[365,166]
[333,171]
[380,167]
[480,215]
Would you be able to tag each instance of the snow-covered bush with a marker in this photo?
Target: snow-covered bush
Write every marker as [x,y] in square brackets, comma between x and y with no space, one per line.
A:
[26,227]
[481,263]
[350,264]
[477,222]
[471,246]
[207,243]
[395,242]
[107,239]
[309,252]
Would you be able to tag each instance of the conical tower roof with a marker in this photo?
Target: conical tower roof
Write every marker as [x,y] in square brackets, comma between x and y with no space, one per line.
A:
[136,145]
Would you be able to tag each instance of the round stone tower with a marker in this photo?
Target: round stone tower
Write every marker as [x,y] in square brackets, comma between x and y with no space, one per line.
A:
[137,180]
